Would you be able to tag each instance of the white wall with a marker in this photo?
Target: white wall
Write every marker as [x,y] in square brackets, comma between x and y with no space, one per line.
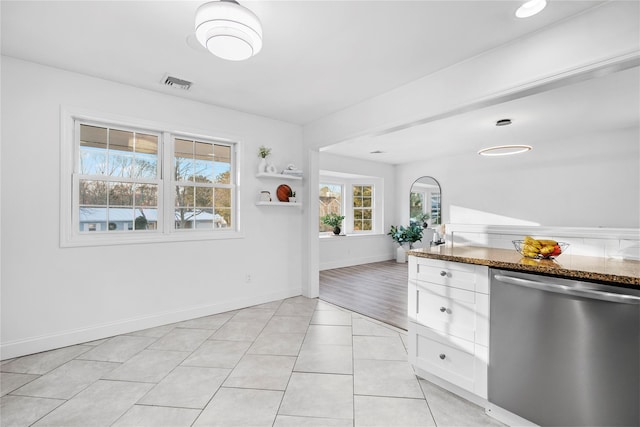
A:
[338,252]
[588,180]
[53,297]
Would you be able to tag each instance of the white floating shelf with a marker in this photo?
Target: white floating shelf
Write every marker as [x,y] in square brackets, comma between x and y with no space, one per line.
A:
[279,176]
[288,204]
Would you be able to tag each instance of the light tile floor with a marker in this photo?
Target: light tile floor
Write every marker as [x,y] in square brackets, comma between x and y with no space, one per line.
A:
[295,362]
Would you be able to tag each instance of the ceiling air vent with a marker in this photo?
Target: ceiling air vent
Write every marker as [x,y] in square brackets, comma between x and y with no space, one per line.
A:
[176,82]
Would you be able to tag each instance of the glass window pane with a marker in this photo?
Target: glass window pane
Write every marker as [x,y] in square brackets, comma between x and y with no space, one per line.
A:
[122,218]
[203,162]
[151,216]
[222,218]
[330,202]
[366,202]
[94,137]
[92,193]
[184,164]
[366,214]
[223,198]
[146,195]
[222,164]
[204,197]
[357,214]
[93,161]
[366,225]
[145,166]
[184,218]
[185,196]
[357,191]
[357,202]
[367,191]
[92,219]
[146,144]
[204,218]
[120,152]
[120,194]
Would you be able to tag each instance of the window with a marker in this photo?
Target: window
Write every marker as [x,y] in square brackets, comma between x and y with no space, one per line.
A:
[330,202]
[133,184]
[362,208]
[118,180]
[202,184]
[356,197]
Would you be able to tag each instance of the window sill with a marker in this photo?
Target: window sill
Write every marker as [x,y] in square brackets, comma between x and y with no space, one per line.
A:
[356,235]
[146,238]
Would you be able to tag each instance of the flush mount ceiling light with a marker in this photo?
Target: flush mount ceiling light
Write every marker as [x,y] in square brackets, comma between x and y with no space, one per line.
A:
[504,150]
[228,30]
[531,8]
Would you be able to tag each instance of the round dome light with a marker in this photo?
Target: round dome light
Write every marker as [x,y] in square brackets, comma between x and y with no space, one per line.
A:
[228,30]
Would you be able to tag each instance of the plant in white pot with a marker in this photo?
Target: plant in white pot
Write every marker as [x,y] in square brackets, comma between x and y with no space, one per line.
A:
[263,153]
[405,235]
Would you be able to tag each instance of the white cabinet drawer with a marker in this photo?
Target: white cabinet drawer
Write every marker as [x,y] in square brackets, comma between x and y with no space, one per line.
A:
[455,274]
[449,310]
[449,360]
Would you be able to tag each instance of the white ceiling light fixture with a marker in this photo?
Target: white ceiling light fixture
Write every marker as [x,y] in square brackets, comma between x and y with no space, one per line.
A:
[504,150]
[228,30]
[531,8]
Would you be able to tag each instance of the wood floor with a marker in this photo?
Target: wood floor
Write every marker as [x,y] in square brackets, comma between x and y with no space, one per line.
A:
[377,290]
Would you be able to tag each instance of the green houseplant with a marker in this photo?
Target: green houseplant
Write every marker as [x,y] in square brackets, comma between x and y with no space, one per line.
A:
[333,220]
[402,235]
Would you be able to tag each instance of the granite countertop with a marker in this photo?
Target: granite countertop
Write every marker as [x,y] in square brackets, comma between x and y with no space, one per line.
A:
[616,271]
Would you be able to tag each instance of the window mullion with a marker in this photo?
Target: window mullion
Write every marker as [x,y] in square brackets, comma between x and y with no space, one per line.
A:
[169,182]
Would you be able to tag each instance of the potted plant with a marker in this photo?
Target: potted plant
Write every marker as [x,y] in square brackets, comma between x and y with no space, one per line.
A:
[333,220]
[292,196]
[263,153]
[403,235]
[423,218]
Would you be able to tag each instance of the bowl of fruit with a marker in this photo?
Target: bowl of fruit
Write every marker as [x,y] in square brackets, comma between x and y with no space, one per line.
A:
[539,248]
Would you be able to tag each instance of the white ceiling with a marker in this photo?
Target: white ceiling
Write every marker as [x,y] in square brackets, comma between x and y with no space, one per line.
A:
[320,57]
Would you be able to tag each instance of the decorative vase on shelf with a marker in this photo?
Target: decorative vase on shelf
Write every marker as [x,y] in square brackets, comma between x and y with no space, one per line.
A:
[401,254]
[336,230]
[262,166]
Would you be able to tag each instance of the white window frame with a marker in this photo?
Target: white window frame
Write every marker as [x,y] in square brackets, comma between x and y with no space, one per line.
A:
[348,181]
[70,234]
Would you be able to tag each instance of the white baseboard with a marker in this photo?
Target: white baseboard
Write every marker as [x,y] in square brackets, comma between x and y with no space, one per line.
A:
[355,261]
[66,338]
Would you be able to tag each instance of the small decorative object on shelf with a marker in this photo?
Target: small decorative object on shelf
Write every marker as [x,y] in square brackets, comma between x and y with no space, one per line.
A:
[282,192]
[263,153]
[292,196]
[333,220]
[271,168]
[292,171]
[265,196]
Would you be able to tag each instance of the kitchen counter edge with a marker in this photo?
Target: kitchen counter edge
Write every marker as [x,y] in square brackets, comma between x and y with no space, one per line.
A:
[618,272]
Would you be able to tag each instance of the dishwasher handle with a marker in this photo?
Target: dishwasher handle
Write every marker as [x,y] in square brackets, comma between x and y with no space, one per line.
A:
[568,290]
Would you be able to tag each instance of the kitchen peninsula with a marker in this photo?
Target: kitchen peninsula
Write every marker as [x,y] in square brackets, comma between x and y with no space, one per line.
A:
[485,321]
[615,271]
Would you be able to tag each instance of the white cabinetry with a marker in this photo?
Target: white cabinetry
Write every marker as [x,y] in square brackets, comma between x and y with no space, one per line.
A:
[448,308]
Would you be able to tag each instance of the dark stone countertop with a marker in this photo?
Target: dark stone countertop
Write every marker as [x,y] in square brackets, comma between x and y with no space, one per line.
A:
[615,271]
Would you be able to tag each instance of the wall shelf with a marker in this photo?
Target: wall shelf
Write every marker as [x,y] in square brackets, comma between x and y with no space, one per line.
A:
[288,204]
[278,176]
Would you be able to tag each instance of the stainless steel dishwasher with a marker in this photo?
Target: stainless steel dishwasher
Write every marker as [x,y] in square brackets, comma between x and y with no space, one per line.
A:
[564,352]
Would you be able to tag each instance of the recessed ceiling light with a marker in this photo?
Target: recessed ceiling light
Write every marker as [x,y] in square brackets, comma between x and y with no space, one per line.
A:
[504,150]
[531,8]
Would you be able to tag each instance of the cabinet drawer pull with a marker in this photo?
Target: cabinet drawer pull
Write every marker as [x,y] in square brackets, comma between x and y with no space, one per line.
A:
[443,273]
[443,309]
[442,356]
